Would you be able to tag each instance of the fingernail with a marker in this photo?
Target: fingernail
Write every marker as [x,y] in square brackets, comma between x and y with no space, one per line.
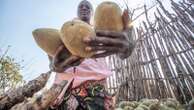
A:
[87,39]
[88,48]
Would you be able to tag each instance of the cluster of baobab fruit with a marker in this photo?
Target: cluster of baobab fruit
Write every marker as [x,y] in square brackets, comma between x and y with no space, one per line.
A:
[107,16]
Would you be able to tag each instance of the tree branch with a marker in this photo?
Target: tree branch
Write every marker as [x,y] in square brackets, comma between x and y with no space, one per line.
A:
[18,95]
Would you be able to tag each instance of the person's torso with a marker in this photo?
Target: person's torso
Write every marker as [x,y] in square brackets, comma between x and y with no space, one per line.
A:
[89,69]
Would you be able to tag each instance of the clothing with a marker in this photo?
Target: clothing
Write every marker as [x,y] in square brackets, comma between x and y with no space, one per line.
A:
[91,95]
[89,69]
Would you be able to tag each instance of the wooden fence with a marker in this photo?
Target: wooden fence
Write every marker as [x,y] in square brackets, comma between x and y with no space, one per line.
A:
[162,63]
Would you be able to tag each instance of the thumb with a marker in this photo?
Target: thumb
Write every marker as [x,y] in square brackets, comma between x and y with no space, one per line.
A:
[125,18]
[59,49]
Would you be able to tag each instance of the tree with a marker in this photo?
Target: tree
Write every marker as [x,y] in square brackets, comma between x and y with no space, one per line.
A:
[10,75]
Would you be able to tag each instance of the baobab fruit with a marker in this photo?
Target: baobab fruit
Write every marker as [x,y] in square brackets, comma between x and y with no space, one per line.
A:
[108,16]
[72,34]
[47,39]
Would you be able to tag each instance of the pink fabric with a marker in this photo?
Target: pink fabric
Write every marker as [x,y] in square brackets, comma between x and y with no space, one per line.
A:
[89,69]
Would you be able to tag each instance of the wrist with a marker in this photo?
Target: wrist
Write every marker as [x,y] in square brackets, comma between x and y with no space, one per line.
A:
[125,54]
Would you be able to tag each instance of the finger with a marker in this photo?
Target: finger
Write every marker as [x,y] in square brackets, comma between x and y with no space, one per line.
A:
[76,63]
[58,50]
[125,18]
[111,34]
[57,54]
[107,53]
[87,40]
[60,65]
[102,48]
[72,61]
[106,41]
[57,69]
[62,55]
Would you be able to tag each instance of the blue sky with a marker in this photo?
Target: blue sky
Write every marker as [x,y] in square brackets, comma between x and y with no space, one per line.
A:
[18,18]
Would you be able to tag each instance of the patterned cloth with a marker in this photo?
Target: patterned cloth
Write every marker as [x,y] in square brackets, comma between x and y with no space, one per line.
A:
[89,96]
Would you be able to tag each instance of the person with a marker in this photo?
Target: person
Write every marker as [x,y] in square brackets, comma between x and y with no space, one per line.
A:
[88,76]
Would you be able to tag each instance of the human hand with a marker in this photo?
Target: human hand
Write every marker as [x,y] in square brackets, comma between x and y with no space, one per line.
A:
[106,43]
[63,60]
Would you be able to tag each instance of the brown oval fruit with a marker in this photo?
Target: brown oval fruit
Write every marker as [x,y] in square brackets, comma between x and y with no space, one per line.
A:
[72,34]
[48,39]
[108,16]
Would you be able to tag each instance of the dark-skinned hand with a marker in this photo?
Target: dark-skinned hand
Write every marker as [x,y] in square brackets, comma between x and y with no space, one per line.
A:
[106,43]
[63,60]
